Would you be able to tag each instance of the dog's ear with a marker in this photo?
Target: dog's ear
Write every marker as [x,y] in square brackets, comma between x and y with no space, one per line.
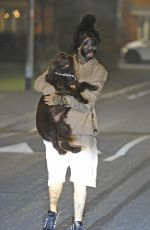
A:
[52,66]
[47,77]
[51,70]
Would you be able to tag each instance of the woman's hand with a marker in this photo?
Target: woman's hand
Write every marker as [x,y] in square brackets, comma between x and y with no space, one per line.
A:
[53,99]
[49,99]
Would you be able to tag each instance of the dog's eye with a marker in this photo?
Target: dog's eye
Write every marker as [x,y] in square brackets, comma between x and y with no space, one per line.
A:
[65,66]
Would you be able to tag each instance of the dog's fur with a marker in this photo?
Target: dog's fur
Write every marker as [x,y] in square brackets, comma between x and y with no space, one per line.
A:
[50,120]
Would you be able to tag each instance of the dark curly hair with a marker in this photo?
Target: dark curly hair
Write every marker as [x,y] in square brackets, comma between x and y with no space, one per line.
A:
[86,28]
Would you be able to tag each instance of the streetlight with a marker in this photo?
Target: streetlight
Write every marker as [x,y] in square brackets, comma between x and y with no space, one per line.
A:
[29,66]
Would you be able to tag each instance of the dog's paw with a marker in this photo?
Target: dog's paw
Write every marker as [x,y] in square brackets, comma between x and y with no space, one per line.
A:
[76,149]
[62,152]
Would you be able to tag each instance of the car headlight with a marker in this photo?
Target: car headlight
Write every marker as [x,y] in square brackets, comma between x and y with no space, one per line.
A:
[124,50]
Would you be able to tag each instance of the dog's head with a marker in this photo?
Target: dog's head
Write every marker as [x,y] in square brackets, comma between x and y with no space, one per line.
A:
[61,72]
[61,63]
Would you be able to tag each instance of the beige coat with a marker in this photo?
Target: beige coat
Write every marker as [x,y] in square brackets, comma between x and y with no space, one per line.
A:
[82,118]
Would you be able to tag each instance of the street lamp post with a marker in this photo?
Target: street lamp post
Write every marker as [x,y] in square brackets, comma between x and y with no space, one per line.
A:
[29,66]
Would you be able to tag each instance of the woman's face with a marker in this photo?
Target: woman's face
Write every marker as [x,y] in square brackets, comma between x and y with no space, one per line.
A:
[89,48]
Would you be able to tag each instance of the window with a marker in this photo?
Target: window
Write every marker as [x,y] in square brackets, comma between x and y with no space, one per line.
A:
[13,20]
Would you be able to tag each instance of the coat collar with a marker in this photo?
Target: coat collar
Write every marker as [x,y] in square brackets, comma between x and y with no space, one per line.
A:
[87,64]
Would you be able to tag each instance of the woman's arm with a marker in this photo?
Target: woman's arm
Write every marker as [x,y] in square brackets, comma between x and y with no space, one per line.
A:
[41,86]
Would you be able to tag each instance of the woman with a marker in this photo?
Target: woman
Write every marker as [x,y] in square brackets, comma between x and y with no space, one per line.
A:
[83,121]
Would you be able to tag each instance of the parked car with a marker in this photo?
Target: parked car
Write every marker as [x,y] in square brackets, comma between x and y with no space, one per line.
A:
[136,52]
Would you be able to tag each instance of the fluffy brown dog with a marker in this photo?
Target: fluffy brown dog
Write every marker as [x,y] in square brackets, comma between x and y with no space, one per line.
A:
[50,120]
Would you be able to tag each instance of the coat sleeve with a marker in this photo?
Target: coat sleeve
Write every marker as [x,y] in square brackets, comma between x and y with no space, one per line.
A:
[98,78]
[41,86]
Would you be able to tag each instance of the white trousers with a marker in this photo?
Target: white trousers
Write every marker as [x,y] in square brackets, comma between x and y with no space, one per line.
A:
[83,165]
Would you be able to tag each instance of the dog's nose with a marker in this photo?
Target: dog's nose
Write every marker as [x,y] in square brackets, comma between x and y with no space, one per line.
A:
[72,86]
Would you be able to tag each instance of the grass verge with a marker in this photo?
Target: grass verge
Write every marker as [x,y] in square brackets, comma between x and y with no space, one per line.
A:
[10,83]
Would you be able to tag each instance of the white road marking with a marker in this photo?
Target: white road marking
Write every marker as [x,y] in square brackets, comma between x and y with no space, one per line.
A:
[138,95]
[4,135]
[14,120]
[33,130]
[124,90]
[100,152]
[17,148]
[126,148]
[123,65]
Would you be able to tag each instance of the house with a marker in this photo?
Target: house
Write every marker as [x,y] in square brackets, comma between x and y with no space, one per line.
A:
[14,16]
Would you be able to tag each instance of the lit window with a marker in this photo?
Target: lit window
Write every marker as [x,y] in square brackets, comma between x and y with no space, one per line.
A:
[13,20]
[6,16]
[16,13]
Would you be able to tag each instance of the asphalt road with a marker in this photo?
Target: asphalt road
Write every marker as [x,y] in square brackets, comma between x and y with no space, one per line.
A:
[121,200]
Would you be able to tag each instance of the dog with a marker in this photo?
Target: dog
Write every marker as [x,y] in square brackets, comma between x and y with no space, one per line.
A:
[50,120]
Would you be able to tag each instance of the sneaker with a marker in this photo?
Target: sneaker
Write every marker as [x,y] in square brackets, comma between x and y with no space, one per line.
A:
[77,226]
[50,221]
